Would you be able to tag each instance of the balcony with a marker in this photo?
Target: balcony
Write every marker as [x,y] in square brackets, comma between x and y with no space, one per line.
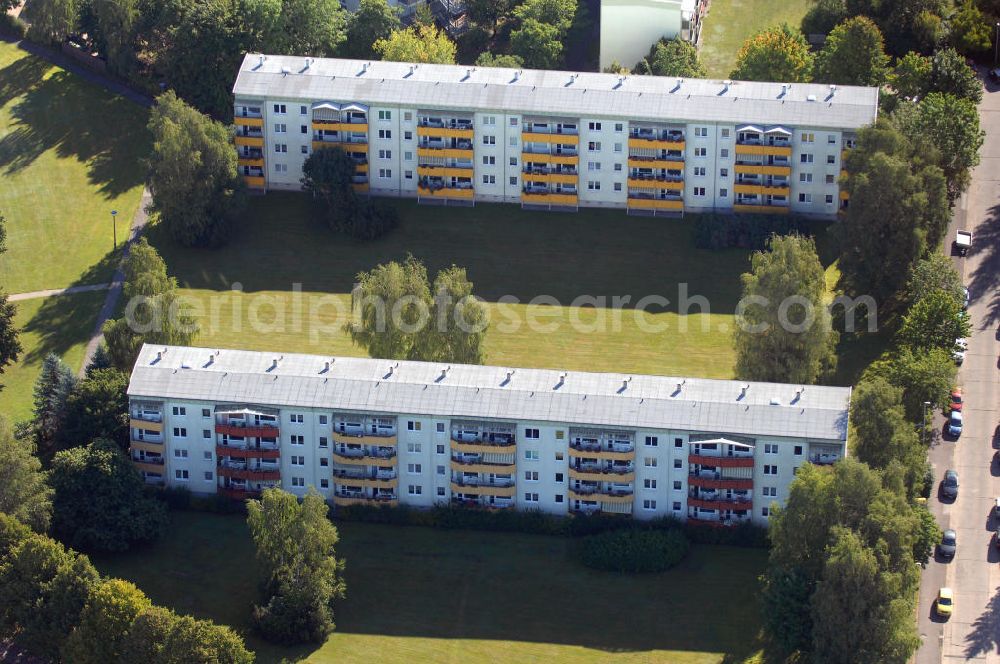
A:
[238,494]
[674,183]
[603,452]
[505,444]
[506,490]
[721,504]
[256,162]
[481,466]
[722,461]
[640,203]
[824,458]
[149,465]
[366,482]
[254,181]
[348,438]
[146,446]
[248,121]
[608,498]
[549,198]
[249,141]
[760,209]
[245,431]
[542,137]
[146,423]
[761,189]
[344,500]
[384,459]
[660,142]
[497,503]
[465,193]
[242,473]
[545,158]
[599,473]
[445,132]
[320,124]
[428,170]
[234,452]
[758,148]
[762,169]
[712,482]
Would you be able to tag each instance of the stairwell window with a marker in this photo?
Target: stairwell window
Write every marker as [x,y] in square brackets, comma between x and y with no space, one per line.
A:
[415,490]
[180,432]
[181,454]
[649,484]
[531,497]
[181,475]
[279,108]
[413,448]
[385,115]
[649,462]
[179,410]
[678,463]
[701,132]
[385,133]
[489,139]
[652,441]
[414,468]
[531,455]
[298,482]
[649,504]
[770,470]
[531,475]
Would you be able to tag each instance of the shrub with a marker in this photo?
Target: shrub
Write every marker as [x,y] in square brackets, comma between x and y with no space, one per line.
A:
[13,26]
[745,231]
[634,551]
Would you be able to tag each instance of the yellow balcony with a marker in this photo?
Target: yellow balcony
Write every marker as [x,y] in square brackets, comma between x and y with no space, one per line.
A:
[249,122]
[775,150]
[483,490]
[447,192]
[761,209]
[550,199]
[561,178]
[250,141]
[532,158]
[444,132]
[602,497]
[536,137]
[361,169]
[136,423]
[355,148]
[844,196]
[843,155]
[147,467]
[343,501]
[482,448]
[652,144]
[668,164]
[649,204]
[748,189]
[597,476]
[445,171]
[254,181]
[643,183]
[364,461]
[367,482]
[146,446]
[843,173]
[605,455]
[501,468]
[350,439]
[251,161]
[360,187]
[445,153]
[332,125]
[763,169]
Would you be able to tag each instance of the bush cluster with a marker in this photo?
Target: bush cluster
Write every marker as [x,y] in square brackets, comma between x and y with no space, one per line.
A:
[634,551]
[745,231]
[13,26]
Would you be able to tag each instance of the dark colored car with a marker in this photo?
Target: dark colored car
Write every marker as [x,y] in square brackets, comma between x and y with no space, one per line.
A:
[949,485]
[948,545]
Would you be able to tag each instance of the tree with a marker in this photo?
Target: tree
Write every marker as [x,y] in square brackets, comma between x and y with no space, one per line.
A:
[951,124]
[556,13]
[196,188]
[787,336]
[935,321]
[373,20]
[823,17]
[925,376]
[779,53]
[458,322]
[112,606]
[970,32]
[45,589]
[97,408]
[12,533]
[488,59]
[50,20]
[881,433]
[856,596]
[115,21]
[327,176]
[310,27]
[911,77]
[928,534]
[539,45]
[671,57]
[159,636]
[853,54]
[419,43]
[24,493]
[935,273]
[10,347]
[53,386]
[950,75]
[300,575]
[488,13]
[99,502]
[392,303]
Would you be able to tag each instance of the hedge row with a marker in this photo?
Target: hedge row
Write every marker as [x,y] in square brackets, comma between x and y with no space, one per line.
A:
[634,551]
[745,231]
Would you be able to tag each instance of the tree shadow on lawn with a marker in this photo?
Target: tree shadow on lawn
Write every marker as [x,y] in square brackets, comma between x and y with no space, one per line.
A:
[77,118]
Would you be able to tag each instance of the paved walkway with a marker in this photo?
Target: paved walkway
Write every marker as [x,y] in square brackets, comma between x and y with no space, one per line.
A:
[33,295]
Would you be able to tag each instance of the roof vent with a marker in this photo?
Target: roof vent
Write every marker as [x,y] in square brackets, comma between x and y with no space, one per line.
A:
[211,359]
[364,67]
[572,79]
[743,390]
[274,364]
[413,68]
[725,86]
[159,356]
[260,62]
[510,374]
[285,71]
[810,97]
[444,372]
[784,89]
[309,62]
[326,367]
[833,89]
[775,401]
[681,384]
[185,364]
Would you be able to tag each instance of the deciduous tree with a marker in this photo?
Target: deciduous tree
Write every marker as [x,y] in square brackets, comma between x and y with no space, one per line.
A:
[373,20]
[111,608]
[419,43]
[10,346]
[823,16]
[24,493]
[391,303]
[159,635]
[935,273]
[310,27]
[51,20]
[970,31]
[951,75]
[785,333]
[671,57]
[327,175]
[935,321]
[911,77]
[116,24]
[488,13]
[779,53]
[488,59]
[458,322]
[538,44]
[556,13]
[951,124]
[924,375]
[853,54]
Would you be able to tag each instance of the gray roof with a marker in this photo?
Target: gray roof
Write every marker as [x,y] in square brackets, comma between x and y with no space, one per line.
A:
[473,392]
[589,95]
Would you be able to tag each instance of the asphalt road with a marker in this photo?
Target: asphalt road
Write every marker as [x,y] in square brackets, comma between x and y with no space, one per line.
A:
[973,632]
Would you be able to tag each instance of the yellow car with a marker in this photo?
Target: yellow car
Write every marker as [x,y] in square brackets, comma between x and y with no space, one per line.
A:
[945,602]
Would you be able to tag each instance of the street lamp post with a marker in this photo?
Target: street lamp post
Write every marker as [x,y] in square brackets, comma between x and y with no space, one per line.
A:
[927,404]
[114,229]
[996,43]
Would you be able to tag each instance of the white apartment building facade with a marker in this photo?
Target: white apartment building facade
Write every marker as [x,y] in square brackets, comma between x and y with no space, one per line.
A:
[420,434]
[450,134]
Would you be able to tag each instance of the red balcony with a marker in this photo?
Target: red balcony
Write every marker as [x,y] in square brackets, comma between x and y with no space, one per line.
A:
[248,474]
[720,504]
[246,453]
[240,431]
[720,483]
[721,462]
[238,494]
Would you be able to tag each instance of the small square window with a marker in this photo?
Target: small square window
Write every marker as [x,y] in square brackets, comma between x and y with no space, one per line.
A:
[678,463]
[678,442]
[439,427]
[559,477]
[440,491]
[676,506]
[206,412]
[677,486]
[559,497]
[439,449]
[324,484]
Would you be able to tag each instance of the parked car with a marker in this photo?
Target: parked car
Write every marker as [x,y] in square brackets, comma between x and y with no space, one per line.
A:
[996,537]
[956,400]
[996,509]
[958,354]
[962,242]
[995,75]
[955,423]
[949,485]
[965,297]
[948,545]
[945,602]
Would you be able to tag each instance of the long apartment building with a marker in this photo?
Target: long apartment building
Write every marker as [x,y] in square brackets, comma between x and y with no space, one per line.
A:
[420,434]
[551,139]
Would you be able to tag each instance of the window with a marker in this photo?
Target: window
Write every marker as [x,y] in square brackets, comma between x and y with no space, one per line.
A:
[559,477]
[281,168]
[296,418]
[594,126]
[806,158]
[181,454]
[829,199]
[414,489]
[297,440]
[770,491]
[699,191]
[559,497]
[559,456]
[649,504]
[594,146]
[723,193]
[831,159]
[413,448]
[649,462]
[678,486]
[489,120]
[808,137]
[531,497]
[298,460]
[489,179]
[324,462]
[724,132]
[513,141]
[593,165]
[513,181]
[652,441]
[180,474]
[805,198]
[723,172]
[414,468]
[770,470]
[593,186]
[489,139]
[206,412]
[513,122]
[701,132]
[618,168]
[180,432]
[678,442]
[765,511]
[439,449]
[385,115]
[531,455]
[324,484]
[323,442]
[805,177]
[770,448]
[385,133]
[407,175]
[206,434]
[618,147]
[798,450]
[408,136]
[304,149]
[701,152]
[678,463]
[440,491]
[208,476]
[489,160]
[298,481]
[513,161]
[441,470]
[676,506]
[279,108]
[303,129]
[385,154]
[831,139]
[795,470]
[412,425]
[280,147]
[618,186]
[531,433]
[649,484]
[179,410]
[699,170]
[531,475]
[207,455]
[560,434]
[280,128]
[439,427]
[829,178]
[724,153]
[303,110]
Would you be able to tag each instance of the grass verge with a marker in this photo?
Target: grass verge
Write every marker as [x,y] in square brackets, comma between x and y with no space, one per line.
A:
[730,22]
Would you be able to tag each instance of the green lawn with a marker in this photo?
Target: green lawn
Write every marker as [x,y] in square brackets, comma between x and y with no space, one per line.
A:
[61,325]
[730,22]
[421,595]
[70,152]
